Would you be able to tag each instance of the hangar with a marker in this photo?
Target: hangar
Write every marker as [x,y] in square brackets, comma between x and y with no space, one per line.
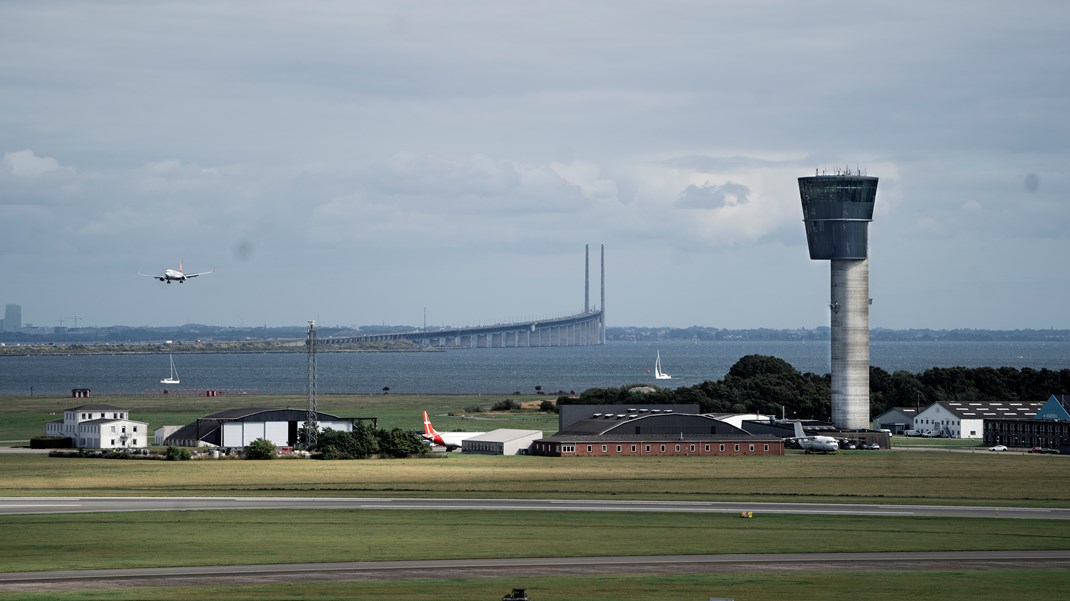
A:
[234,428]
[502,441]
[657,434]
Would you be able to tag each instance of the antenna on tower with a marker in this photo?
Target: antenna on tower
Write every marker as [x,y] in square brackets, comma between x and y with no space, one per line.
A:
[312,424]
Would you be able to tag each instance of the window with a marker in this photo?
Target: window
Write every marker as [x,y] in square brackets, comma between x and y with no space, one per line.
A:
[751,448]
[618,448]
[603,448]
[765,448]
[722,448]
[662,448]
[707,448]
[589,448]
[633,448]
[737,448]
[647,448]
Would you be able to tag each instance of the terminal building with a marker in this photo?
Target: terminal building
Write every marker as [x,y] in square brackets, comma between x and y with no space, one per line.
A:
[99,427]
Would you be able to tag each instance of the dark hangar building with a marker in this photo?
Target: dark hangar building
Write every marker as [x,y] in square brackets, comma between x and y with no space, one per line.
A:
[655,432]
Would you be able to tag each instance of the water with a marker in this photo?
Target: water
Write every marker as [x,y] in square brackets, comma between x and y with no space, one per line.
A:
[486,371]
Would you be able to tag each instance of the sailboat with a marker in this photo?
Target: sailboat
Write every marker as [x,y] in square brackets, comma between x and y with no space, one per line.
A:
[658,374]
[173,378]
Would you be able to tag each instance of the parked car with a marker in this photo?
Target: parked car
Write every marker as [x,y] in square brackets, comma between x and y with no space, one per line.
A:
[999,447]
[871,446]
[1044,450]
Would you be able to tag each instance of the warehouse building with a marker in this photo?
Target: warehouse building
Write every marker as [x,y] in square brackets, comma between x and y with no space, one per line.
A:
[99,427]
[897,420]
[502,441]
[967,419]
[236,428]
[1049,428]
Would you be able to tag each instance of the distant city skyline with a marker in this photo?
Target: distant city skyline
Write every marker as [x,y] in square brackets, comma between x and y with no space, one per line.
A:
[357,163]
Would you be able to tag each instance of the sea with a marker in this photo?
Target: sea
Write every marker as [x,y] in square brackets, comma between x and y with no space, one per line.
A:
[551,370]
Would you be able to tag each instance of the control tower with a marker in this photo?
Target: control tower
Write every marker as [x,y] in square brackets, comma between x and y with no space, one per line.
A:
[837,210]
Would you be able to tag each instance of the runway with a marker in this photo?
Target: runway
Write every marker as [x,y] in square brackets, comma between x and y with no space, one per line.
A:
[204,576]
[44,505]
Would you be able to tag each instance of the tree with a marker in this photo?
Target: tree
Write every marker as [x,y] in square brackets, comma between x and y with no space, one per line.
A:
[547,406]
[261,448]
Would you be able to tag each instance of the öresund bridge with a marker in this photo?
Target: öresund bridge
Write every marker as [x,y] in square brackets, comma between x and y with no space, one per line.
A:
[582,329]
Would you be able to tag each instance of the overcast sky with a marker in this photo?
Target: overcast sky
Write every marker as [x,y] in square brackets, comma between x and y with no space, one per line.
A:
[364,162]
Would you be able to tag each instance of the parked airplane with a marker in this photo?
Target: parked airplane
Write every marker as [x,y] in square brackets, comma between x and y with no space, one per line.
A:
[450,440]
[815,444]
[172,275]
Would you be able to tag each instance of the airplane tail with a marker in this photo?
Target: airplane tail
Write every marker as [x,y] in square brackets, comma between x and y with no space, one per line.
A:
[180,265]
[429,430]
[799,430]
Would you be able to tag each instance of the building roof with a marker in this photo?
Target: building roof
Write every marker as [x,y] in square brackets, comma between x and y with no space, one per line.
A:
[656,424]
[990,409]
[666,438]
[504,435]
[97,407]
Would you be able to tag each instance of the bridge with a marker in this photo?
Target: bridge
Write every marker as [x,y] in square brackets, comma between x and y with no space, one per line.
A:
[581,329]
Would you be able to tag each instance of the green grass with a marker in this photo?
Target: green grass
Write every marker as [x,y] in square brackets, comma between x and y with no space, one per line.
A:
[912,477]
[24,417]
[918,585]
[131,540]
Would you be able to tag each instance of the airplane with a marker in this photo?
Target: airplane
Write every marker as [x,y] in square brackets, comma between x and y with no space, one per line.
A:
[815,444]
[450,440]
[173,275]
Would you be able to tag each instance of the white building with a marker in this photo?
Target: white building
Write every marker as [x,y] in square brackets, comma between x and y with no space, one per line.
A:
[502,441]
[235,428]
[965,419]
[99,427]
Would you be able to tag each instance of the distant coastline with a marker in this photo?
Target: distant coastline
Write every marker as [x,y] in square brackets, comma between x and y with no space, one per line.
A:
[197,338]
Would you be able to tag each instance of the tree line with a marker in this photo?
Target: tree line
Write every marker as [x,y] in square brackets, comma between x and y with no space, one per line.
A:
[772,386]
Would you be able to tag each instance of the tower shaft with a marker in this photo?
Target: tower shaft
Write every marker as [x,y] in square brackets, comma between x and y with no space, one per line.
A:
[850,342]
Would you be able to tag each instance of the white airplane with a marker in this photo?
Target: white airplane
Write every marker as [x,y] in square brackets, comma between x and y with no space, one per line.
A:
[815,444]
[450,440]
[174,275]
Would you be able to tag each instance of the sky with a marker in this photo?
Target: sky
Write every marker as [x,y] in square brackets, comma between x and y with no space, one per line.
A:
[446,162]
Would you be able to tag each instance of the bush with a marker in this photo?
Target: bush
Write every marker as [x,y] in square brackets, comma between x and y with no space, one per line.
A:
[506,405]
[178,454]
[548,406]
[261,448]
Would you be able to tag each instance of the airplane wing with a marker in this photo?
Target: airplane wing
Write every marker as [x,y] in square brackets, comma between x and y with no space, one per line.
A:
[152,275]
[193,275]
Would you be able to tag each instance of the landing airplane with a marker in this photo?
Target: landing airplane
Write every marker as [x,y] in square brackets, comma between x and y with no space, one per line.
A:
[172,275]
[450,440]
[815,444]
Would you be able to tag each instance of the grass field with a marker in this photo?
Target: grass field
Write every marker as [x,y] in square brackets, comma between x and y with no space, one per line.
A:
[934,477]
[945,585]
[23,417]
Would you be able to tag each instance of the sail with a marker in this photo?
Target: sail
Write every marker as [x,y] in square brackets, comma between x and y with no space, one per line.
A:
[173,378]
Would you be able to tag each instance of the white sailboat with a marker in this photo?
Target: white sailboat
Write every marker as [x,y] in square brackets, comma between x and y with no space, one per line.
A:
[173,378]
[658,374]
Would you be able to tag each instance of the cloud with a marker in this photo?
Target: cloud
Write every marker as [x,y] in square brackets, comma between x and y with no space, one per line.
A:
[26,163]
[714,196]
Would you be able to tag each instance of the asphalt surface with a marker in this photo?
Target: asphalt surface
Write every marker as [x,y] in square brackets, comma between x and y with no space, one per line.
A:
[205,576]
[35,505]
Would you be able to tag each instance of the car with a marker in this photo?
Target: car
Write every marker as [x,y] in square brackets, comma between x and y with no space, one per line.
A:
[999,447]
[871,446]
[1044,450]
